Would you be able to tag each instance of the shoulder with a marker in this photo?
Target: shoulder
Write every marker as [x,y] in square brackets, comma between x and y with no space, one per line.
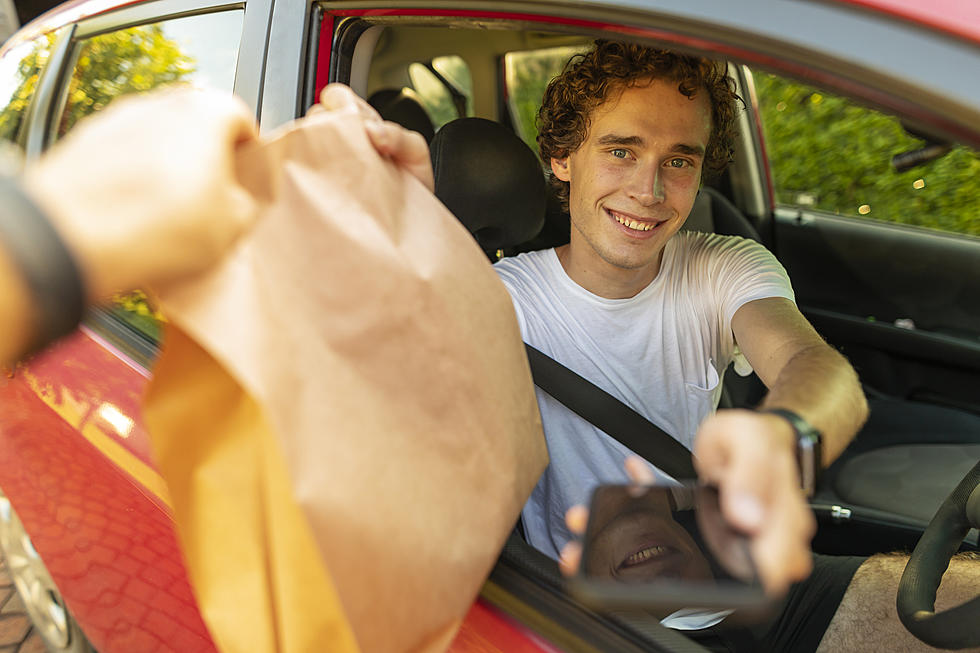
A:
[696,250]
[717,245]
[524,270]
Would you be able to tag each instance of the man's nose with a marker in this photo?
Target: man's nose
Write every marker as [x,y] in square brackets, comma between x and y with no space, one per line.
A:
[647,186]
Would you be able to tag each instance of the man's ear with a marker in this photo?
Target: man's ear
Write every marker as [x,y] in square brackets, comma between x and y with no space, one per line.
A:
[559,167]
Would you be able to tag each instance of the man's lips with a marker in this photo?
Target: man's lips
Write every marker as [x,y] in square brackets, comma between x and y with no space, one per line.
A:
[633,223]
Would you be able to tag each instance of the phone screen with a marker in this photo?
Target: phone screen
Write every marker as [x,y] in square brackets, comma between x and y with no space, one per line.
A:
[664,547]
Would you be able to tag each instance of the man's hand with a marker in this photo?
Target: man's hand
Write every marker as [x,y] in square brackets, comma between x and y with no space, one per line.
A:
[406,148]
[147,192]
[751,457]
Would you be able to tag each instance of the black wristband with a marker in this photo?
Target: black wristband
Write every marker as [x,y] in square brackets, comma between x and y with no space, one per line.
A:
[808,442]
[49,270]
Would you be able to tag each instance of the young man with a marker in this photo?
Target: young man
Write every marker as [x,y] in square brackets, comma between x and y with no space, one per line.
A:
[654,317]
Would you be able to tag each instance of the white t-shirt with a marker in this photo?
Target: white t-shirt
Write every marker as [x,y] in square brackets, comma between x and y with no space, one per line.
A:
[662,352]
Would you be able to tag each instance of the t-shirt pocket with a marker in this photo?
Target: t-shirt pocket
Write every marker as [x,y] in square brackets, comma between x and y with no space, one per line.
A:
[701,401]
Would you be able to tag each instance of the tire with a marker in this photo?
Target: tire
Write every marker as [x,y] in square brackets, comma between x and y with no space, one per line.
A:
[51,618]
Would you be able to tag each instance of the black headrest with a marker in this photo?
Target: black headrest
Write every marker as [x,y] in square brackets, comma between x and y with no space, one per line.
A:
[491,180]
[403,106]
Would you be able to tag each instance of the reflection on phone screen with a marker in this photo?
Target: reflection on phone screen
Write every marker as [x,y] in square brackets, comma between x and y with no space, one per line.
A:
[643,535]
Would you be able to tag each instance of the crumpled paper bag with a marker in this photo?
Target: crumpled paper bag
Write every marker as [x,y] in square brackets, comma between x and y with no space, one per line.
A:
[342,409]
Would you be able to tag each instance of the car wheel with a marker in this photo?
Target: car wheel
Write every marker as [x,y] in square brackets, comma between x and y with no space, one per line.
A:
[37,590]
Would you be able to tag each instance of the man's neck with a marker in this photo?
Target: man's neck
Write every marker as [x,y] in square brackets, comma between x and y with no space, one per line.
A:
[599,277]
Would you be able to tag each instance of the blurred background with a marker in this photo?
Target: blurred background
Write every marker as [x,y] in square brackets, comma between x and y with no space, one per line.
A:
[14,14]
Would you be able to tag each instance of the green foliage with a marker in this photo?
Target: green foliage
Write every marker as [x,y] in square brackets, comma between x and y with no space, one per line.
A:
[111,65]
[108,66]
[829,154]
[134,309]
[528,74]
[26,77]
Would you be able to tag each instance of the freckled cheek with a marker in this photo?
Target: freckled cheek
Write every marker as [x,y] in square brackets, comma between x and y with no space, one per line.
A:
[682,188]
[606,180]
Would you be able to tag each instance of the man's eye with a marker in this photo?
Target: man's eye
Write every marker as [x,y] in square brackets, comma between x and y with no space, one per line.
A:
[679,163]
[620,153]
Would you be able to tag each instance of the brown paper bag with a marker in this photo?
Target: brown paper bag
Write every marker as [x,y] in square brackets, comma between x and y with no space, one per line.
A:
[357,347]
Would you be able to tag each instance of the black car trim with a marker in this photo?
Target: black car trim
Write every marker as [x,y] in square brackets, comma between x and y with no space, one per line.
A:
[526,584]
[922,345]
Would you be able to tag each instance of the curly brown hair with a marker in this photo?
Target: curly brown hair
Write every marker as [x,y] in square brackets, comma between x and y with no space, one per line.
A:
[589,79]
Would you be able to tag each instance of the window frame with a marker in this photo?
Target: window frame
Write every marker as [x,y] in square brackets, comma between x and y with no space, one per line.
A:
[50,98]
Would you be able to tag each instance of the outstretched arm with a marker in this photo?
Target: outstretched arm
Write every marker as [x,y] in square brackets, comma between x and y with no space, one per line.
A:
[144,192]
[751,455]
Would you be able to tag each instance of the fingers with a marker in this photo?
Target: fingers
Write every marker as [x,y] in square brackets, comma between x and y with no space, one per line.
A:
[732,454]
[781,550]
[576,518]
[570,558]
[751,460]
[340,98]
[639,471]
[407,149]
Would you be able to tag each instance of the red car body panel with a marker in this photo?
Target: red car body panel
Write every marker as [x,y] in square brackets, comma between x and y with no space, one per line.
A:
[76,464]
[107,539]
[958,17]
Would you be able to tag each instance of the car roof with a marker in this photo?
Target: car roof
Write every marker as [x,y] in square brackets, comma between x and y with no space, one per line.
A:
[957,17]
[885,53]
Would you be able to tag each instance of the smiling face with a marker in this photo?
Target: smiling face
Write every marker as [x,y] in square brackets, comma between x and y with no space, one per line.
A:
[636,539]
[632,183]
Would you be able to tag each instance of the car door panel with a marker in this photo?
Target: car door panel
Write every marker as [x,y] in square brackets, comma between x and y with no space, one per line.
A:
[900,302]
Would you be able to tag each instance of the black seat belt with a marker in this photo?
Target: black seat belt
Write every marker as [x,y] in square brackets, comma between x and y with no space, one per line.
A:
[610,415]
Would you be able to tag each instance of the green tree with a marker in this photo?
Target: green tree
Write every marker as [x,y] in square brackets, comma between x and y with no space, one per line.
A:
[23,84]
[111,65]
[528,74]
[827,153]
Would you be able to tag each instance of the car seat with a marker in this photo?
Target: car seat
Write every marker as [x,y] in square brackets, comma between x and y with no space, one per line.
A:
[404,107]
[490,180]
[878,495]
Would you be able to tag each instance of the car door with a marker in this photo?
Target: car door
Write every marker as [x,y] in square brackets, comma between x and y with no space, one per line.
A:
[75,457]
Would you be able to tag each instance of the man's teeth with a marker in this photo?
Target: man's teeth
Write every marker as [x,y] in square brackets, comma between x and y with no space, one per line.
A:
[634,224]
[645,554]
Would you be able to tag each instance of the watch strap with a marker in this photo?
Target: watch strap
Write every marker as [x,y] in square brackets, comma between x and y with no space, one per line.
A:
[808,443]
[49,270]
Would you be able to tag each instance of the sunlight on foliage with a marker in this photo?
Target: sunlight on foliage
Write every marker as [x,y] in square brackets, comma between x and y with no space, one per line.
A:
[28,59]
[828,154]
[528,74]
[111,65]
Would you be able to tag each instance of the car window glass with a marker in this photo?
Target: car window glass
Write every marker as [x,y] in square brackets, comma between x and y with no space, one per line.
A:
[828,154]
[526,75]
[445,89]
[455,71]
[200,50]
[20,68]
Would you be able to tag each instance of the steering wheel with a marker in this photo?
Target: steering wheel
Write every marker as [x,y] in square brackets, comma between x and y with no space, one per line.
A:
[957,627]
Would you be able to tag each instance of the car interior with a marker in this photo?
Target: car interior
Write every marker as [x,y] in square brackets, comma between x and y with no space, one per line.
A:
[924,430]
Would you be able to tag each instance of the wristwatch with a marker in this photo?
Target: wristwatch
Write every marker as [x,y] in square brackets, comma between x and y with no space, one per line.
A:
[49,269]
[808,441]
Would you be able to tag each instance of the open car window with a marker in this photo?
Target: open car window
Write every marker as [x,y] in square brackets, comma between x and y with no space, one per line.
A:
[829,154]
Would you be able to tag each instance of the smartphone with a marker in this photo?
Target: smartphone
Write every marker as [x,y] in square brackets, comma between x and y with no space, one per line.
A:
[661,549]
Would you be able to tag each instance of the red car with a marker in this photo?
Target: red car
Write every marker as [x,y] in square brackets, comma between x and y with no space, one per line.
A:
[884,254]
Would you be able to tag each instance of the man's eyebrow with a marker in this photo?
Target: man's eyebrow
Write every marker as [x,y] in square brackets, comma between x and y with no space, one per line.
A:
[693,150]
[616,139]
